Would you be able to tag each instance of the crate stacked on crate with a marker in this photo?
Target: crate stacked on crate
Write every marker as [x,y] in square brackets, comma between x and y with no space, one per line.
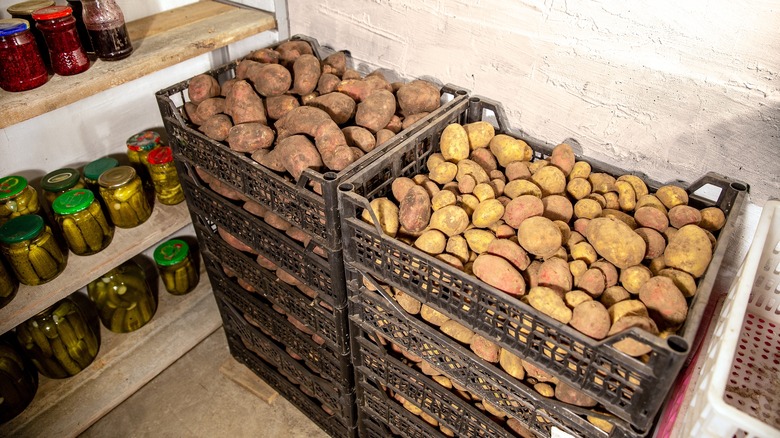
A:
[271,242]
[498,369]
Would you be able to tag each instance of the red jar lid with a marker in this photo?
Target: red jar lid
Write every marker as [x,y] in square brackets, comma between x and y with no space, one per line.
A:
[52,12]
[160,155]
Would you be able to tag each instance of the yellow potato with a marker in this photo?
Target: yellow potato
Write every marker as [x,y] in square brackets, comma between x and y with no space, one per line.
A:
[550,303]
[671,196]
[443,173]
[470,168]
[457,246]
[487,213]
[479,134]
[634,277]
[507,149]
[468,202]
[689,250]
[683,280]
[478,239]
[511,363]
[520,187]
[626,195]
[454,143]
[550,180]
[578,188]
[386,213]
[443,199]
[639,186]
[616,242]
[581,169]
[576,297]
[431,241]
[602,182]
[587,208]
[540,236]
[484,191]
[451,220]
[712,219]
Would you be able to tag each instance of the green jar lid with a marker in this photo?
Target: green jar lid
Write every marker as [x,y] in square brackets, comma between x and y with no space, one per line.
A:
[171,252]
[60,180]
[11,186]
[144,141]
[93,170]
[21,228]
[116,177]
[73,201]
[27,8]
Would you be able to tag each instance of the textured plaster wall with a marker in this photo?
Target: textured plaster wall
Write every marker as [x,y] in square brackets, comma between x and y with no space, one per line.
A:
[674,89]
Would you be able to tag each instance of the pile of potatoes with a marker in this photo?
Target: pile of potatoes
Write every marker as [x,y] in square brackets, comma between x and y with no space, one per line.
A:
[596,252]
[292,111]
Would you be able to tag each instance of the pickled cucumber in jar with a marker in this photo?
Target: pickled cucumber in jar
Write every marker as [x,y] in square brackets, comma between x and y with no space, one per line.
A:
[18,379]
[17,198]
[124,197]
[60,181]
[164,176]
[9,285]
[176,266]
[59,340]
[123,298]
[31,249]
[82,222]
[138,147]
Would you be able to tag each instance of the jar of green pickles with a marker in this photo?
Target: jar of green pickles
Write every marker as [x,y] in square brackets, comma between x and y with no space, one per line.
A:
[17,198]
[164,176]
[94,169]
[138,148]
[82,222]
[59,340]
[176,266]
[31,249]
[123,298]
[60,181]
[18,379]
[124,197]
[9,285]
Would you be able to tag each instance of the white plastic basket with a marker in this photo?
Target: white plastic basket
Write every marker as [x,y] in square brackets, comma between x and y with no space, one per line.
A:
[738,393]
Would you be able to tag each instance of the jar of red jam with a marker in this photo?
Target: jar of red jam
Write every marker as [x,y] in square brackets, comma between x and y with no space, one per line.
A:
[58,26]
[24,11]
[21,65]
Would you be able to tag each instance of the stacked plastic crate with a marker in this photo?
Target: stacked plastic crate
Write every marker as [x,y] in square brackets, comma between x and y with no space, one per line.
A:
[414,380]
[274,257]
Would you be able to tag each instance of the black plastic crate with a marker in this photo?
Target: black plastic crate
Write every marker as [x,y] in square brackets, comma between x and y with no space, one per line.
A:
[320,359]
[338,397]
[331,325]
[325,274]
[331,424]
[381,416]
[374,312]
[295,202]
[627,387]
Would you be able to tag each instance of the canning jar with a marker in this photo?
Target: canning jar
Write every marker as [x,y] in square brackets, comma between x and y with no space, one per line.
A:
[82,222]
[18,379]
[94,169]
[138,148]
[31,249]
[105,25]
[124,197]
[59,340]
[176,266]
[9,285]
[164,176]
[21,65]
[123,298]
[60,181]
[17,198]
[81,29]
[24,11]
[59,30]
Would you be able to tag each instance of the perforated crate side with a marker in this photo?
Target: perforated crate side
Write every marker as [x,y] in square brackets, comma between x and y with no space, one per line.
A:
[295,202]
[323,274]
[375,312]
[393,419]
[627,387]
[333,425]
[337,397]
[331,325]
[332,365]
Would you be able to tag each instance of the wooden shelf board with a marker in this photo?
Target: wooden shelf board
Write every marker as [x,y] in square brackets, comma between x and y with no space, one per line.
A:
[125,363]
[159,41]
[30,300]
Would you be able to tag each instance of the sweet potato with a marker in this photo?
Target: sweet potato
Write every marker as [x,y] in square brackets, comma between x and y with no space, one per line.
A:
[592,319]
[499,273]
[210,107]
[539,236]
[299,154]
[244,105]
[415,209]
[249,137]
[306,72]
[278,106]
[616,242]
[339,106]
[375,111]
[233,241]
[665,303]
[335,63]
[270,158]
[329,139]
[202,87]
[290,50]
[190,112]
[255,208]
[418,96]
[265,56]
[276,221]
[216,127]
[359,137]
[360,89]
[269,79]
[689,250]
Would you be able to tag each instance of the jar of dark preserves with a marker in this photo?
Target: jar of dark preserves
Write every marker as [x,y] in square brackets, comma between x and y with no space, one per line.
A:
[106,27]
[58,26]
[78,14]
[21,65]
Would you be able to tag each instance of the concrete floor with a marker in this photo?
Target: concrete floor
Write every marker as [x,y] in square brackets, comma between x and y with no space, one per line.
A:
[193,398]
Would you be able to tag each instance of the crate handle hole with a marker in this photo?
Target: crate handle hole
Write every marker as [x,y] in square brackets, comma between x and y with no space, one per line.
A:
[330,176]
[346,187]
[678,344]
[739,187]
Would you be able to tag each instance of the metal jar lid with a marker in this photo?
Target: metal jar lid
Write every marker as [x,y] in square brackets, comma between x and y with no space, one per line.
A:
[116,177]
[27,8]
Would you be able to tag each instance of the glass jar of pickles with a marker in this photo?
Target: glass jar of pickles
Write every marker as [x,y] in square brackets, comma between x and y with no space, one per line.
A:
[17,198]
[164,176]
[94,169]
[60,181]
[18,379]
[138,147]
[31,249]
[176,266]
[124,197]
[123,298]
[82,222]
[9,285]
[59,340]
